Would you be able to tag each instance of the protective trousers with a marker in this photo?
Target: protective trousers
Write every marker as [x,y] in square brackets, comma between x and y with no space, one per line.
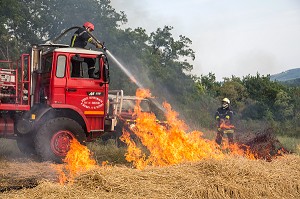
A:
[220,135]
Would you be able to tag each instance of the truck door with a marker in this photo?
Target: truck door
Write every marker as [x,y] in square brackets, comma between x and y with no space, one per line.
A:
[85,88]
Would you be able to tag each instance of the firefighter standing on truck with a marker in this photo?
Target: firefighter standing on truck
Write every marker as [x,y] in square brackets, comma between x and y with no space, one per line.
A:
[81,36]
[80,39]
[224,117]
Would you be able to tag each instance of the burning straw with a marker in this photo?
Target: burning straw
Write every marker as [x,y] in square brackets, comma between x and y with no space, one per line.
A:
[78,160]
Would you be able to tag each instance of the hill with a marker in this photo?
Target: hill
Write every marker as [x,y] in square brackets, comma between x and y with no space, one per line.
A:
[293,82]
[288,75]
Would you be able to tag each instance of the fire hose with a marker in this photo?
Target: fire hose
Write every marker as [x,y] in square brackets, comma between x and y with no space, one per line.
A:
[77,27]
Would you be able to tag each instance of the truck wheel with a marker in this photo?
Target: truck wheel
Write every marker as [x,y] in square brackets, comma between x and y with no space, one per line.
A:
[52,141]
[26,144]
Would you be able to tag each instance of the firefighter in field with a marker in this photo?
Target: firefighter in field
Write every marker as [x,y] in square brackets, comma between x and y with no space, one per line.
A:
[80,39]
[224,117]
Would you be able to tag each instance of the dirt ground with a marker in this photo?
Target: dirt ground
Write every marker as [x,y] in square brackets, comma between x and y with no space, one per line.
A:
[18,171]
[24,173]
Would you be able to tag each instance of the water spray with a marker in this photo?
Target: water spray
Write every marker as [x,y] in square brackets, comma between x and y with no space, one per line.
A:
[130,75]
[125,70]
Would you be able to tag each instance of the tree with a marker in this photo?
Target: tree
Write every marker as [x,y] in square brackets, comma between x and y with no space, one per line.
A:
[18,27]
[235,91]
[284,109]
[207,84]
[170,50]
[262,89]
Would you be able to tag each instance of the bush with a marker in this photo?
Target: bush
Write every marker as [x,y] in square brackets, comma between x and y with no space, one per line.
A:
[292,144]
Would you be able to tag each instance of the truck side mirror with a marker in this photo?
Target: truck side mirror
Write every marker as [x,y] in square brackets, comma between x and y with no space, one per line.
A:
[106,73]
[106,77]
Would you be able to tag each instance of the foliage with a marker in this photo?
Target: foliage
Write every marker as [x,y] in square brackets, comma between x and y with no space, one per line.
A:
[293,82]
[258,99]
[234,90]
[290,143]
[262,89]
[207,84]
[283,105]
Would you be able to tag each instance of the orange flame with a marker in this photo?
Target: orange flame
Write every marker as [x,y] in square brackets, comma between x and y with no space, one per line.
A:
[223,125]
[238,150]
[76,161]
[169,145]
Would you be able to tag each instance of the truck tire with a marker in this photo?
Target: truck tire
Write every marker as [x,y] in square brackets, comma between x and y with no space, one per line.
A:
[52,140]
[26,144]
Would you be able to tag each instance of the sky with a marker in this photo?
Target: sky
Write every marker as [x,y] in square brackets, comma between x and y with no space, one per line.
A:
[230,37]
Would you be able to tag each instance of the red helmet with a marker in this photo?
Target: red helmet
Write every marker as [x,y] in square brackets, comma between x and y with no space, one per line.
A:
[89,25]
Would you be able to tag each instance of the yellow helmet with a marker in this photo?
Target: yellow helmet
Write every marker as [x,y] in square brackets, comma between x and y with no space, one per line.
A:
[225,103]
[226,100]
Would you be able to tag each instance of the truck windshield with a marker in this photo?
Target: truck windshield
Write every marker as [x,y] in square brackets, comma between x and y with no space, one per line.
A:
[85,67]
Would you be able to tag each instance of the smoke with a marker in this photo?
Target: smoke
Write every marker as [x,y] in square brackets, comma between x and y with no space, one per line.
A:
[135,9]
[149,14]
[222,32]
[9,149]
[259,61]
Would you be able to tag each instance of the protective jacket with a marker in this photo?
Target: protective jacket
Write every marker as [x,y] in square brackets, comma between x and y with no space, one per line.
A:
[224,114]
[80,38]
[224,117]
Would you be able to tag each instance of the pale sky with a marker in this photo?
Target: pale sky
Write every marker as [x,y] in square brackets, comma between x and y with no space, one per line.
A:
[230,37]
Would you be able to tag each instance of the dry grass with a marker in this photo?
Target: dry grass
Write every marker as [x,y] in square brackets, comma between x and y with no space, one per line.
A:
[290,143]
[108,152]
[228,178]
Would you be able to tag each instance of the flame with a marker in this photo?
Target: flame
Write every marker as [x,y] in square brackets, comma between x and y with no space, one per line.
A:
[239,150]
[167,146]
[170,145]
[77,160]
[223,125]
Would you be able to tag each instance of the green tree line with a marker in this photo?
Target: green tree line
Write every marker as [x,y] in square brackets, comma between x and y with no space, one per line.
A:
[157,60]
[257,98]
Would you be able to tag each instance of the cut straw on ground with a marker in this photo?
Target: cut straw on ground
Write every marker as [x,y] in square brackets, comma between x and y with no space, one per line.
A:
[227,178]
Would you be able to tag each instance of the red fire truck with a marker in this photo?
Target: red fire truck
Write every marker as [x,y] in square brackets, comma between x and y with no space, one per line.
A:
[48,98]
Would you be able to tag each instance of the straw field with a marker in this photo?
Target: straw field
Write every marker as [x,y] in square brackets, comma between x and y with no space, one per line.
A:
[233,177]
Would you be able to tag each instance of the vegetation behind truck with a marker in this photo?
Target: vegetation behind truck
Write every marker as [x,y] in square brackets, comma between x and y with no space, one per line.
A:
[44,106]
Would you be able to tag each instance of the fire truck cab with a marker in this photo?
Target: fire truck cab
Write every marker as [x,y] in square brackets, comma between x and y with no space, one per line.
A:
[54,95]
